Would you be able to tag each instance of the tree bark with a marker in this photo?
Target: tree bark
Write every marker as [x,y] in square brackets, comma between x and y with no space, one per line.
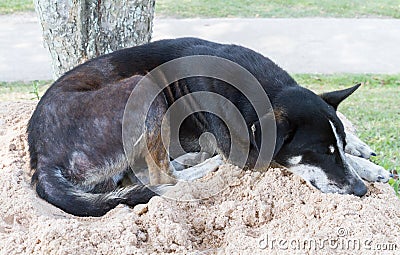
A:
[77,30]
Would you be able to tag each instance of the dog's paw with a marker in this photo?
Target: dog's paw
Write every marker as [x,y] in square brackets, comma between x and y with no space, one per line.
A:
[200,170]
[161,189]
[356,147]
[368,170]
[190,159]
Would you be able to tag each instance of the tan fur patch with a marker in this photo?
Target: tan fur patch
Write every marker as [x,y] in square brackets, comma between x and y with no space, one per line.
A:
[280,114]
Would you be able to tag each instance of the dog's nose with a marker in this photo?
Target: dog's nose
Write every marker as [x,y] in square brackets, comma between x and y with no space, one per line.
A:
[359,189]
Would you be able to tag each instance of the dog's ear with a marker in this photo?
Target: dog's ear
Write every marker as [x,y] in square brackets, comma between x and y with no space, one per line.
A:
[334,98]
[282,130]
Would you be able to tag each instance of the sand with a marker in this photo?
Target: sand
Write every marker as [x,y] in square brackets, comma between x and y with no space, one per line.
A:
[272,212]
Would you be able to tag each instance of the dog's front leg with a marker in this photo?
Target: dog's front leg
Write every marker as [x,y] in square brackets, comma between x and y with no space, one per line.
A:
[354,145]
[189,159]
[368,170]
[200,170]
[358,153]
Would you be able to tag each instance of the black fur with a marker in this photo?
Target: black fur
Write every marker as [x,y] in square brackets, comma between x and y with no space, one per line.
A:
[74,134]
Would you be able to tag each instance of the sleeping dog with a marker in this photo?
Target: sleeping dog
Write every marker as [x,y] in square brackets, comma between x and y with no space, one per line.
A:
[75,133]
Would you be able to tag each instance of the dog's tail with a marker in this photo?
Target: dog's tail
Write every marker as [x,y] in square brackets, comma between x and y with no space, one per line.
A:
[54,188]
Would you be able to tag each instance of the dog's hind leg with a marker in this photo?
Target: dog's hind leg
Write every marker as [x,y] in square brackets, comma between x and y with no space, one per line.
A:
[160,169]
[368,170]
[156,137]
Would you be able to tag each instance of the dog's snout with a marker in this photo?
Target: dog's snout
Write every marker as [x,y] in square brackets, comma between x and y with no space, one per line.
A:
[359,189]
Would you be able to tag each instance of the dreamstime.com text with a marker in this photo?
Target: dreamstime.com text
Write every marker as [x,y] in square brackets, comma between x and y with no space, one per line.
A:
[341,242]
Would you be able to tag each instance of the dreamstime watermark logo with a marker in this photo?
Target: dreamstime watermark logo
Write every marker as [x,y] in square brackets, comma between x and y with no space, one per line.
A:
[342,241]
[163,100]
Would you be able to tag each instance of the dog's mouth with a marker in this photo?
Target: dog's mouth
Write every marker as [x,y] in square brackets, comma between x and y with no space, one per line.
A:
[358,188]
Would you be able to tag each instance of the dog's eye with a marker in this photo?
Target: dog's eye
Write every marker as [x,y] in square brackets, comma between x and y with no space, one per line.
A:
[331,149]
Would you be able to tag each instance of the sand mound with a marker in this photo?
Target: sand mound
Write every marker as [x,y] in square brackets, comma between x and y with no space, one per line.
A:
[258,213]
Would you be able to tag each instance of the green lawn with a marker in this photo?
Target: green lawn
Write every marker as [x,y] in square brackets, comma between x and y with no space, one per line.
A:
[374,108]
[254,8]
[278,9]
[11,6]
[19,91]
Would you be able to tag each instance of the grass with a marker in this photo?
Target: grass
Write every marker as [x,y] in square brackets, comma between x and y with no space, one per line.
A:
[277,8]
[19,91]
[374,108]
[12,6]
[254,8]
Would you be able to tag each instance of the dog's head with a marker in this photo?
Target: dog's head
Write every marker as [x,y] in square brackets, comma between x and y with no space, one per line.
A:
[311,139]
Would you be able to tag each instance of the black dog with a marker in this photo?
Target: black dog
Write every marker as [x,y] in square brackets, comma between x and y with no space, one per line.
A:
[75,133]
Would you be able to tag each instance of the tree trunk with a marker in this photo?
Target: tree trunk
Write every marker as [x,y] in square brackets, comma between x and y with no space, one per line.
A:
[77,30]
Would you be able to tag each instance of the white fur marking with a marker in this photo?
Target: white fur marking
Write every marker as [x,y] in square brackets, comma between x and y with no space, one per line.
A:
[341,152]
[295,160]
[338,141]
[331,149]
[316,175]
